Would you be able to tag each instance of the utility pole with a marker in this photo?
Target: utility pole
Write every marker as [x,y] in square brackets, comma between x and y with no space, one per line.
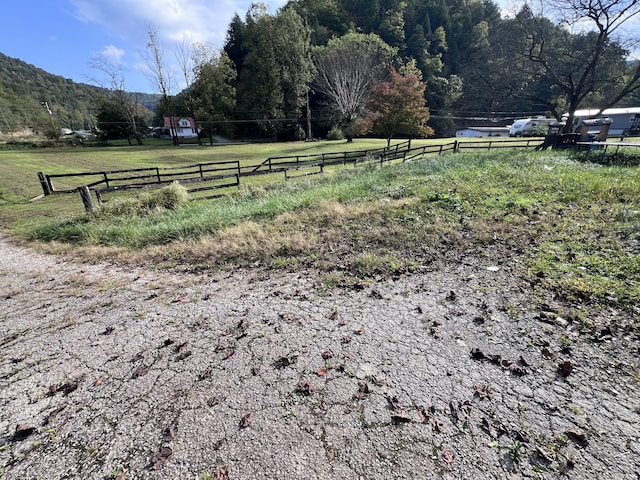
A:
[54,131]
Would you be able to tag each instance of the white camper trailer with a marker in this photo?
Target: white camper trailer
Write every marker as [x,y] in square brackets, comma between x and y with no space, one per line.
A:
[529,127]
[625,121]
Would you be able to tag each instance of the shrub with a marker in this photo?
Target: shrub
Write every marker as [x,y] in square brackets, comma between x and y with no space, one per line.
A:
[167,198]
[335,134]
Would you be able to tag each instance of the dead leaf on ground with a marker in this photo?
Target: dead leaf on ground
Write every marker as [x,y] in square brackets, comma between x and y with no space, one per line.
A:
[305,388]
[363,391]
[327,354]
[222,473]
[141,371]
[448,456]
[482,391]
[565,369]
[322,372]
[160,460]
[245,421]
[183,355]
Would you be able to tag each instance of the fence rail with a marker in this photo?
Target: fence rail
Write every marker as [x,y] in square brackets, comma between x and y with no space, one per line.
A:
[216,176]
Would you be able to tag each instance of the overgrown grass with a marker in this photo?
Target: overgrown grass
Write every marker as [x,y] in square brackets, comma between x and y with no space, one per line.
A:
[576,224]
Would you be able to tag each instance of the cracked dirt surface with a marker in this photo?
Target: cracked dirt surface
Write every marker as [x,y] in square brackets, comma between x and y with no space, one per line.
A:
[456,372]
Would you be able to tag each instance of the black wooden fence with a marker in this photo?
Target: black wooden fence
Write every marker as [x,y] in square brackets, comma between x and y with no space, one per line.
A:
[213,179]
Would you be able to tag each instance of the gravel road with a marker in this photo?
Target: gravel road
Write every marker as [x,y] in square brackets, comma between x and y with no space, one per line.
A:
[457,372]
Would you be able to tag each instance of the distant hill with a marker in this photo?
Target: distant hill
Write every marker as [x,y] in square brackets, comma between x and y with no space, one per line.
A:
[24,86]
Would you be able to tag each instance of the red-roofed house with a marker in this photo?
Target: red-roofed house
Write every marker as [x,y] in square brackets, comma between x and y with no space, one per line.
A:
[183,127]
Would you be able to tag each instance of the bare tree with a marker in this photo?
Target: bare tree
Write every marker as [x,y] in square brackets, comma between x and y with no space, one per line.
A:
[120,100]
[585,55]
[160,75]
[347,68]
[185,57]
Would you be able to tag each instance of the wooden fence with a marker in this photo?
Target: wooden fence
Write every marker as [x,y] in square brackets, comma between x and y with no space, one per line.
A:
[213,179]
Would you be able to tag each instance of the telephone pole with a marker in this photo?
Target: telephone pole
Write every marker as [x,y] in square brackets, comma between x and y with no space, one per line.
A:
[54,130]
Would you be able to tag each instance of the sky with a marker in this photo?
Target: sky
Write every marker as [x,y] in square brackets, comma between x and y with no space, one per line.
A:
[64,37]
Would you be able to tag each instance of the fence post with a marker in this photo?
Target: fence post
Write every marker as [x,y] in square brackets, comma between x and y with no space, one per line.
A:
[158,175]
[456,146]
[46,187]
[85,195]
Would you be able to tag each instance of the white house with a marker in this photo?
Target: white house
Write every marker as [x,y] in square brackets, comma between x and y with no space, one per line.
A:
[182,127]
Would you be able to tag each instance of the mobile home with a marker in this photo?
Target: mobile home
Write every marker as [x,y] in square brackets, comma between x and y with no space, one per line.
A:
[626,121]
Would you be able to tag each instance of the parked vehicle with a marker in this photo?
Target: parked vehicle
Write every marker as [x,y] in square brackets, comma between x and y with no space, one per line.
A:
[530,127]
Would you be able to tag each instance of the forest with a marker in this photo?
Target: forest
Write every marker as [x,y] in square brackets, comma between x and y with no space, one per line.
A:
[312,67]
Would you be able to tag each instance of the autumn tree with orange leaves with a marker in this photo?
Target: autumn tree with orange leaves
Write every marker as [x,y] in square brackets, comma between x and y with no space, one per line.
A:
[398,107]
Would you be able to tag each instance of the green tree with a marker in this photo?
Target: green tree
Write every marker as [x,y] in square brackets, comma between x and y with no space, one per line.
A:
[275,68]
[347,68]
[212,90]
[398,105]
[114,123]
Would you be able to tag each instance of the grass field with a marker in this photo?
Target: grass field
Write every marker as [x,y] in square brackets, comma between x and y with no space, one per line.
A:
[573,225]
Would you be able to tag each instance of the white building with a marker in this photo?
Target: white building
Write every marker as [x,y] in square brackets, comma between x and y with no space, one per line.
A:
[625,120]
[481,132]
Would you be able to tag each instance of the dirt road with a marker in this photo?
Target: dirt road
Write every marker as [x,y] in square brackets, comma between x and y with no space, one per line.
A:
[455,372]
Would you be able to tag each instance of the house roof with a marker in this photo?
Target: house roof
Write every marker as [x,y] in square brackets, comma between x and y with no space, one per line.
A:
[177,120]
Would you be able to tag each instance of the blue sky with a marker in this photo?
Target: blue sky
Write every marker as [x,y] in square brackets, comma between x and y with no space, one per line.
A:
[64,36]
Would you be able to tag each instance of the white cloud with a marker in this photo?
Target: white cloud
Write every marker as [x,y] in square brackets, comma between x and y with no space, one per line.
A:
[112,53]
[173,20]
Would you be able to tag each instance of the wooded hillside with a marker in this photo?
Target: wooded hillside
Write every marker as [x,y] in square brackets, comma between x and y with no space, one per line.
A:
[24,86]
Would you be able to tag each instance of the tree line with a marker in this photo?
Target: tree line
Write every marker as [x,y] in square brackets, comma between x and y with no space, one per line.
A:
[331,59]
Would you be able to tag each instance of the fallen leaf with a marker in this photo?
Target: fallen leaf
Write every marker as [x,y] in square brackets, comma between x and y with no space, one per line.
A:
[363,391]
[245,421]
[161,459]
[327,354]
[565,369]
[305,389]
[141,371]
[222,473]
[322,372]
[448,456]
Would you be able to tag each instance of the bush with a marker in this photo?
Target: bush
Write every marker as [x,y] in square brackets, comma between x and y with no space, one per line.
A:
[335,134]
[167,198]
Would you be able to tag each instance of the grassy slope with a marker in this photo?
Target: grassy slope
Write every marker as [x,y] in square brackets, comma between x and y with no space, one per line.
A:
[573,225]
